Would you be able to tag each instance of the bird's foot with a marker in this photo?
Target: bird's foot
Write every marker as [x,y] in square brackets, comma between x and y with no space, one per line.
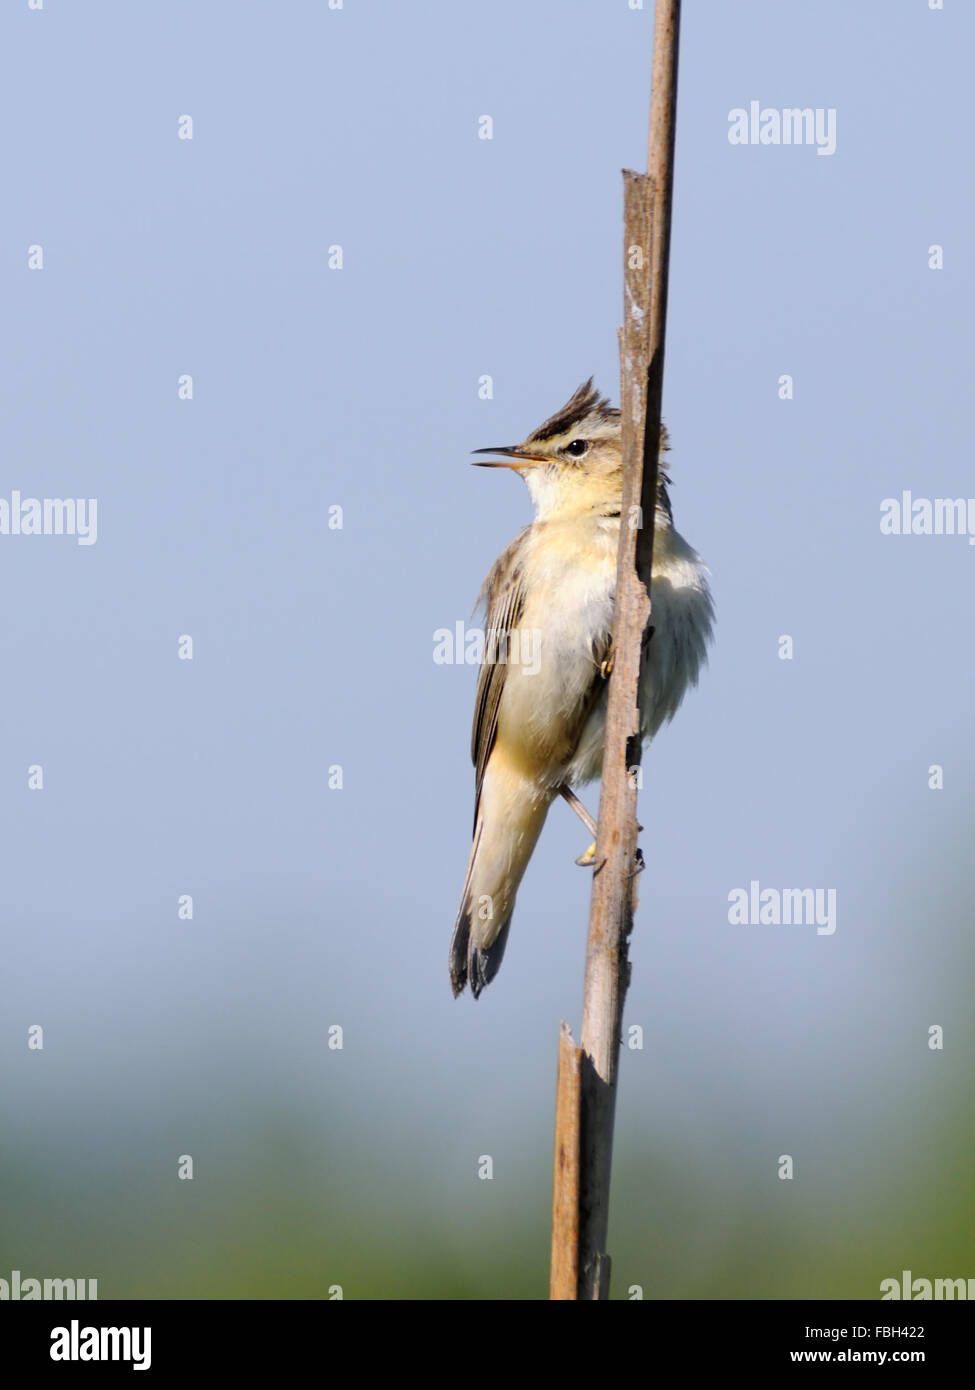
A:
[588,857]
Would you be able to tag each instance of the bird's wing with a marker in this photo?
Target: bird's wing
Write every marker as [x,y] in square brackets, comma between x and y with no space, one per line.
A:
[504,595]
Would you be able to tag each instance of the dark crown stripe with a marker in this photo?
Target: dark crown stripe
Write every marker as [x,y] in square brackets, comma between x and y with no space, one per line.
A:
[584,402]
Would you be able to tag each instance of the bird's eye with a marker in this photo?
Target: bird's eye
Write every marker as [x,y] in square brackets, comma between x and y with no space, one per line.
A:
[577,448]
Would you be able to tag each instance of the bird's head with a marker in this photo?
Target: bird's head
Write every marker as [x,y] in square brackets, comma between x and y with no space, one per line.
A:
[574,461]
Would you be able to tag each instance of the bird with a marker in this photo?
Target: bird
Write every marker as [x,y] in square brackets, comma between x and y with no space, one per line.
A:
[540,705]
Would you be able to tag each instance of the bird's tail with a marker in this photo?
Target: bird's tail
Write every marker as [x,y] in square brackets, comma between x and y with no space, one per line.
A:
[510,816]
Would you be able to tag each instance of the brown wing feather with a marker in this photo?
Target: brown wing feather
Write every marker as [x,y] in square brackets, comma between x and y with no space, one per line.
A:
[504,596]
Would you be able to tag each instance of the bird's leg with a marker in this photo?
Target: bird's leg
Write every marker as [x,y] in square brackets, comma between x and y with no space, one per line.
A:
[577,806]
[589,856]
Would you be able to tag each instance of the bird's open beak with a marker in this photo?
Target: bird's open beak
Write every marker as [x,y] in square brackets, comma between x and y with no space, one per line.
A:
[511,451]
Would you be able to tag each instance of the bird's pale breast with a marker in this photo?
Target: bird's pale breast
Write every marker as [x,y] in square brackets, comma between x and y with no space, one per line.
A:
[569,573]
[553,711]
